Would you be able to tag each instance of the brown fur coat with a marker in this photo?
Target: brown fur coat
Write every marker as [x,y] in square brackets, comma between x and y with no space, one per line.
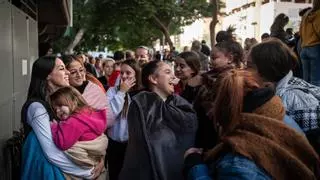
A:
[262,137]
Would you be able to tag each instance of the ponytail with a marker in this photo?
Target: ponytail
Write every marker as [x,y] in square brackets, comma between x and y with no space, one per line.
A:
[233,86]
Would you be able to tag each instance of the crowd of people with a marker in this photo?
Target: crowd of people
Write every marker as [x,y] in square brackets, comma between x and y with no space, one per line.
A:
[232,112]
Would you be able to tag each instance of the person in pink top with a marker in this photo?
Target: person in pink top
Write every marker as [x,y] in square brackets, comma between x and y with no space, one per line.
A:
[80,130]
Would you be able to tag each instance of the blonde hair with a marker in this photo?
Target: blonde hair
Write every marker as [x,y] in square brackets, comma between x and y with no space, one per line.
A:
[107,60]
[68,96]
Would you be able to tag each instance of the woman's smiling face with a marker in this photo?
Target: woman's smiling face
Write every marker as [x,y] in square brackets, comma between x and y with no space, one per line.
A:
[77,73]
[59,76]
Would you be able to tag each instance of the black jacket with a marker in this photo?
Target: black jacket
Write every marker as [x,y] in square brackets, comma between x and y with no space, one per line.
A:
[160,133]
[207,137]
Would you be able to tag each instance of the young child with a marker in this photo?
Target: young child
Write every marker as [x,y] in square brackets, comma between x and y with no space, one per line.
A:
[226,55]
[80,131]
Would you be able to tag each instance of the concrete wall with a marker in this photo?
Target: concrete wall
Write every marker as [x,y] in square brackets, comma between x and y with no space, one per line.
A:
[18,49]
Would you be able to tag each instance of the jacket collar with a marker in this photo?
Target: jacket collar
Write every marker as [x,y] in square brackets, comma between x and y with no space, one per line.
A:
[284,82]
[257,98]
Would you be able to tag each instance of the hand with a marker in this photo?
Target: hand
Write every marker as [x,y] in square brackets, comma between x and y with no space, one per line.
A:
[127,84]
[98,169]
[143,61]
[191,151]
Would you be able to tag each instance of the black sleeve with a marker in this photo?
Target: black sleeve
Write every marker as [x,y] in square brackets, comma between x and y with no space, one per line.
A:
[137,167]
[134,119]
[206,136]
[179,114]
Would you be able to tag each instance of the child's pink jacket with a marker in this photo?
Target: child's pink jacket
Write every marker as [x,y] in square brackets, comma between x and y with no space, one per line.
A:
[83,126]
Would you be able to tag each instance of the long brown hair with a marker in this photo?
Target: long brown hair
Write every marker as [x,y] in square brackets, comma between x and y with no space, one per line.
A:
[233,86]
[68,96]
[137,69]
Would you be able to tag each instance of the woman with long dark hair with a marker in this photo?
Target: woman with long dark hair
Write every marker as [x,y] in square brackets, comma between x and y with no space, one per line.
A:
[40,158]
[119,97]
[187,70]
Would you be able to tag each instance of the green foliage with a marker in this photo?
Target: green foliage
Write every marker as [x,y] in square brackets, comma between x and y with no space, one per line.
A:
[126,24]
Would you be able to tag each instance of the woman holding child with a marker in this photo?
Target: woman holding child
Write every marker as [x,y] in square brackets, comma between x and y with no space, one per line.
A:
[41,158]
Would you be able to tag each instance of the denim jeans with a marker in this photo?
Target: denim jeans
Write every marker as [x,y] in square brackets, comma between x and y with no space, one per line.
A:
[233,166]
[229,167]
[310,57]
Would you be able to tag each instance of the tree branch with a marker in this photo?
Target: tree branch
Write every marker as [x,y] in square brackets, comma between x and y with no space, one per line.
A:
[163,29]
[214,22]
[75,41]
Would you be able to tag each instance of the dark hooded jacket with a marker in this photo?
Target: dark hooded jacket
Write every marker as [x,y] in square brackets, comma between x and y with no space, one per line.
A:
[206,137]
[160,132]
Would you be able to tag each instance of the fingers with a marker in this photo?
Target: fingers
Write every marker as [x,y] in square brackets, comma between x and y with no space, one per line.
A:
[133,84]
[193,150]
[130,82]
[127,84]
[98,169]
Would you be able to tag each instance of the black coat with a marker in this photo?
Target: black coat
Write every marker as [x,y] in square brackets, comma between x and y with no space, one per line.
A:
[159,134]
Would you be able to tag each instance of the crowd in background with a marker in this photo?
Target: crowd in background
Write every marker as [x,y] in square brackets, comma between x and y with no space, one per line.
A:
[230,112]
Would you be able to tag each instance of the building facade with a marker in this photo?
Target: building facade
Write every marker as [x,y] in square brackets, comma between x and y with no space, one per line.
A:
[252,18]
